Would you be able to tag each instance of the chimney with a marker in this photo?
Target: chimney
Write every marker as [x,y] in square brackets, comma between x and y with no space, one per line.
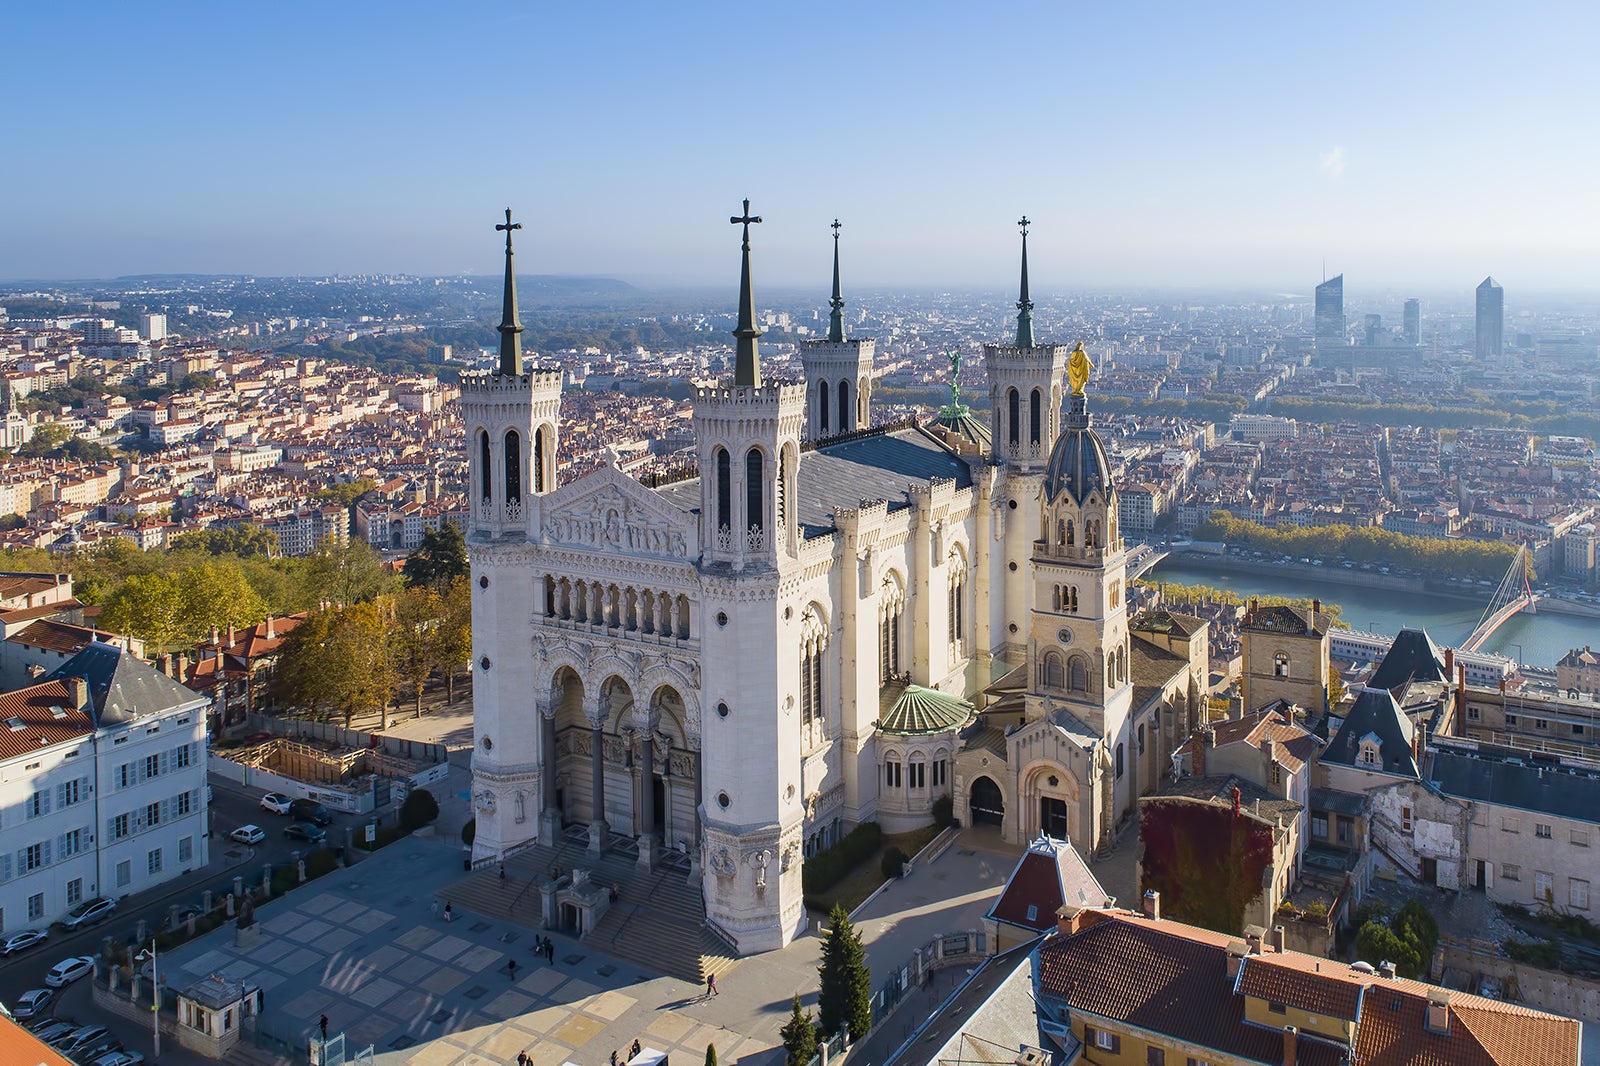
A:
[164,663]
[1197,750]
[216,637]
[1386,969]
[1069,919]
[1237,950]
[1291,1042]
[1438,1017]
[1253,936]
[271,634]
[80,692]
[1280,939]
[1461,692]
[183,669]
[1316,608]
[1152,904]
[230,634]
[1449,662]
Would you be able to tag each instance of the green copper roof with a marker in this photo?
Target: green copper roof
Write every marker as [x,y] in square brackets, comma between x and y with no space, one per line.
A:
[836,315]
[925,710]
[747,362]
[1024,304]
[510,326]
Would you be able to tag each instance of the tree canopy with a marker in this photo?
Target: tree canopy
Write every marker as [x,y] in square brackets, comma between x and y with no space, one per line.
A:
[440,559]
[844,1002]
[1439,557]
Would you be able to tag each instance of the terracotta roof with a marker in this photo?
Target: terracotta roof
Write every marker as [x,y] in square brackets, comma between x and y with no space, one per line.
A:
[22,1048]
[1263,977]
[12,585]
[35,707]
[50,635]
[1049,874]
[1293,747]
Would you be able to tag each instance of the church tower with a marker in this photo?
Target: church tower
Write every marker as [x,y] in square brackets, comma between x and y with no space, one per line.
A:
[838,372]
[1025,416]
[747,435]
[511,419]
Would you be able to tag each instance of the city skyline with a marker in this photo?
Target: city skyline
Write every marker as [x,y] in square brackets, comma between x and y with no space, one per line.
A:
[1189,149]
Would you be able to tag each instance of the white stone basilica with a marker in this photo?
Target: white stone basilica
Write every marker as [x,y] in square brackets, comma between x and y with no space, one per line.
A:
[729,672]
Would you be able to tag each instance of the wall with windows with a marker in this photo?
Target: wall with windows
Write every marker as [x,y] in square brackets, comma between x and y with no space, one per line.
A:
[47,832]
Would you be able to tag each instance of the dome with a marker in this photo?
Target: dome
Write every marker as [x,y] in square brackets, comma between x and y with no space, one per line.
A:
[1078,462]
[925,710]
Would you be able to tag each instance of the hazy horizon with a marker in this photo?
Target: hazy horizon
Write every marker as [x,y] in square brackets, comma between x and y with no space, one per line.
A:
[1179,147]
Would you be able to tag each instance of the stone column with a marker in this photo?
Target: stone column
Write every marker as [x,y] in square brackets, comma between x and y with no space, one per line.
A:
[698,842]
[647,796]
[599,831]
[549,816]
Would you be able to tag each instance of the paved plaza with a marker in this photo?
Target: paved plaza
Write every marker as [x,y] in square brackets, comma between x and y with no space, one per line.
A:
[365,947]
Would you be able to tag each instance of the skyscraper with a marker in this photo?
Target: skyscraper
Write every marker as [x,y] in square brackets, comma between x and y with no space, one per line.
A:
[1412,322]
[1330,313]
[1491,320]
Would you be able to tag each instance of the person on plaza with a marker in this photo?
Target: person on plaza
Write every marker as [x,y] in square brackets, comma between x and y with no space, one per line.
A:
[550,950]
[322,1024]
[511,967]
[637,1047]
[522,1058]
[614,1061]
[434,908]
[449,912]
[711,985]
[502,873]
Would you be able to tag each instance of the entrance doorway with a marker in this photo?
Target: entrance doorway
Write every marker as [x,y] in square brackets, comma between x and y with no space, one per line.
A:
[1053,817]
[988,805]
[658,807]
[1430,871]
[1480,877]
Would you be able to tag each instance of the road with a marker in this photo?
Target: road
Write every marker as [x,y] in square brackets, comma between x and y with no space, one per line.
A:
[231,807]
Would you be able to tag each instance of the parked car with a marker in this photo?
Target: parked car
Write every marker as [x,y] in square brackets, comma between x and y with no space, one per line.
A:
[32,1003]
[104,1046]
[306,831]
[304,810]
[22,941]
[88,913]
[79,1038]
[276,803]
[248,834]
[118,1058]
[67,971]
[51,1028]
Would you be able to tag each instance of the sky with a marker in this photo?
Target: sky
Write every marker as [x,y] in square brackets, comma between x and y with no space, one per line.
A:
[1151,143]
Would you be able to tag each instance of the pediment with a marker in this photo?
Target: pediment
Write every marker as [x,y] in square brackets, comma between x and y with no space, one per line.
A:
[610,511]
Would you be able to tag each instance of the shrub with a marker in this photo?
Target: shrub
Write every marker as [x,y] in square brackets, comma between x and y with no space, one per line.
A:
[419,809]
[320,862]
[469,832]
[893,862]
[826,868]
[944,811]
[1546,953]
[1318,909]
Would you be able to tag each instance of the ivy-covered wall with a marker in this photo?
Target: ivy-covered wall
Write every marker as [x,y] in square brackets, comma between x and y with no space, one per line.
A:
[1205,860]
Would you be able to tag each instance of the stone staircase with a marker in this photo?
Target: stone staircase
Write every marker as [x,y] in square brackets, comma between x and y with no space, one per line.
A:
[658,922]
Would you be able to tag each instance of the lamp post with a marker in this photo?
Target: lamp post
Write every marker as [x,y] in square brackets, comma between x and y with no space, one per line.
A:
[155,996]
[1519,656]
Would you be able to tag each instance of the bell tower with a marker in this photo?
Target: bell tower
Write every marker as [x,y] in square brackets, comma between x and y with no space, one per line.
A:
[838,372]
[747,434]
[1025,416]
[511,417]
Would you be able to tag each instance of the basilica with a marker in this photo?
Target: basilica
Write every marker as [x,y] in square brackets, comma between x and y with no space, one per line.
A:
[830,622]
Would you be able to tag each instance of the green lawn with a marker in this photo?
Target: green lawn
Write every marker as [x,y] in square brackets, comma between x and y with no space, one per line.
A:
[860,882]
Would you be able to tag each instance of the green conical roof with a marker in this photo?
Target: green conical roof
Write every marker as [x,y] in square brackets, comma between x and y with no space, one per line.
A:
[925,710]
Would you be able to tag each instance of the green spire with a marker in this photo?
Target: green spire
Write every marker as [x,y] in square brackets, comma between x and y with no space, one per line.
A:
[747,365]
[1024,305]
[836,316]
[510,326]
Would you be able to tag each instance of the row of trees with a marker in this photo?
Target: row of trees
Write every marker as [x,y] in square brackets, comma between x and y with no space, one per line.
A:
[1174,595]
[844,1000]
[1365,544]
[1541,418]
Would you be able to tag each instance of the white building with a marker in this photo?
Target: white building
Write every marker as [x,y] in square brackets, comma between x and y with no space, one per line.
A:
[153,327]
[1263,427]
[102,785]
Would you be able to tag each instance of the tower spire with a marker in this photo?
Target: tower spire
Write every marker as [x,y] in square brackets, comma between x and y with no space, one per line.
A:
[747,364]
[1024,304]
[510,326]
[836,316]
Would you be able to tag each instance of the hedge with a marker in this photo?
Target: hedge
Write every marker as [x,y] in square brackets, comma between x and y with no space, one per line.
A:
[827,868]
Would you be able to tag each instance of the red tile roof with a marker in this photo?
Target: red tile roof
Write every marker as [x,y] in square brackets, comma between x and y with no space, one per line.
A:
[1049,874]
[35,706]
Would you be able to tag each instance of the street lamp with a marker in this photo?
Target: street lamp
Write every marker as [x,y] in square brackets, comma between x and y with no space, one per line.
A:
[1519,656]
[155,998]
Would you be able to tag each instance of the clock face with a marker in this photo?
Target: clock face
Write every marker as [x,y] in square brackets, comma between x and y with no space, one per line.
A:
[1064,636]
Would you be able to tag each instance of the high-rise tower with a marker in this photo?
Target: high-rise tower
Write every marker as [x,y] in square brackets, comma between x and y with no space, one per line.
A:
[1491,320]
[1330,314]
[838,372]
[1412,322]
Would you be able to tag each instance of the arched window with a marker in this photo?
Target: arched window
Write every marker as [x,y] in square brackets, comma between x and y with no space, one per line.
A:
[891,772]
[891,606]
[1071,536]
[541,437]
[917,772]
[844,407]
[754,483]
[958,603]
[1280,665]
[780,495]
[813,643]
[513,466]
[1013,416]
[549,596]
[1052,673]
[822,406]
[1035,403]
[724,490]
[1120,759]
[484,466]
[1078,671]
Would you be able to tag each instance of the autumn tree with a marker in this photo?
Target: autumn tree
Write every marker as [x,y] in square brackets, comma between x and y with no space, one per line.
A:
[347,573]
[454,646]
[148,606]
[216,596]
[440,559]
[415,638]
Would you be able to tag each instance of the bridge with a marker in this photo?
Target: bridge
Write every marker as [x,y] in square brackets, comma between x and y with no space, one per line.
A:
[1512,597]
[1141,559]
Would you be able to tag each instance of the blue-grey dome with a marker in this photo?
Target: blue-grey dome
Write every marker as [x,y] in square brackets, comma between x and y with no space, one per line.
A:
[1078,462]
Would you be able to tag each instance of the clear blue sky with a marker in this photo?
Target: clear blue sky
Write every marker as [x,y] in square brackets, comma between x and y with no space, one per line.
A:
[1192,144]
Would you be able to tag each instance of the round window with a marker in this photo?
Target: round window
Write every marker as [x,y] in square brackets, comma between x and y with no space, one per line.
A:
[1064,636]
[488,743]
[1011,504]
[484,662]
[1011,566]
[722,618]
[722,710]
[1012,627]
[723,800]
[483,582]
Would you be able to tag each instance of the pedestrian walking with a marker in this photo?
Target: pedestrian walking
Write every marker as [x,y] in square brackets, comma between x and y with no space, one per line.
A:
[522,1058]
[550,950]
[614,1061]
[512,967]
[711,985]
[448,911]
[637,1047]
[434,909]
[323,1025]
[502,873]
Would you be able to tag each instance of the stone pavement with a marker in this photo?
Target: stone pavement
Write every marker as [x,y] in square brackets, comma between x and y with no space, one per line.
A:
[363,946]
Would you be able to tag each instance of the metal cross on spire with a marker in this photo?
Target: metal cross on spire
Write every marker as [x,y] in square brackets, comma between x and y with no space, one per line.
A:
[510,327]
[1025,303]
[1024,223]
[836,314]
[747,361]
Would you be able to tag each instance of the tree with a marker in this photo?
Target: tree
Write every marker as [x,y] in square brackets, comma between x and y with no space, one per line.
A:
[440,559]
[216,596]
[149,606]
[419,809]
[347,573]
[711,1055]
[46,439]
[246,538]
[415,638]
[307,664]
[799,1035]
[455,634]
[366,681]
[844,1002]
[1377,943]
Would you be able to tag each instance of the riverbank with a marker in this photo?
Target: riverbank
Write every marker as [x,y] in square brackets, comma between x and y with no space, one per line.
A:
[1336,575]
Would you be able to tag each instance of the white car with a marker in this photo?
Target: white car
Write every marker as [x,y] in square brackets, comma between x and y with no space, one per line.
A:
[248,834]
[88,913]
[67,971]
[20,941]
[276,803]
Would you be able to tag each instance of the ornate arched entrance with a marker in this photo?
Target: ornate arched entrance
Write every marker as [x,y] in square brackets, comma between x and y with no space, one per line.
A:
[986,802]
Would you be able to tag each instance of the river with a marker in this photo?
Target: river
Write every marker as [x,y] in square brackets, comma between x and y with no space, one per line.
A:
[1543,637]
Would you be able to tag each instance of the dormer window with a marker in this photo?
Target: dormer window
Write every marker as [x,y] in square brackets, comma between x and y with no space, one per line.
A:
[1369,754]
